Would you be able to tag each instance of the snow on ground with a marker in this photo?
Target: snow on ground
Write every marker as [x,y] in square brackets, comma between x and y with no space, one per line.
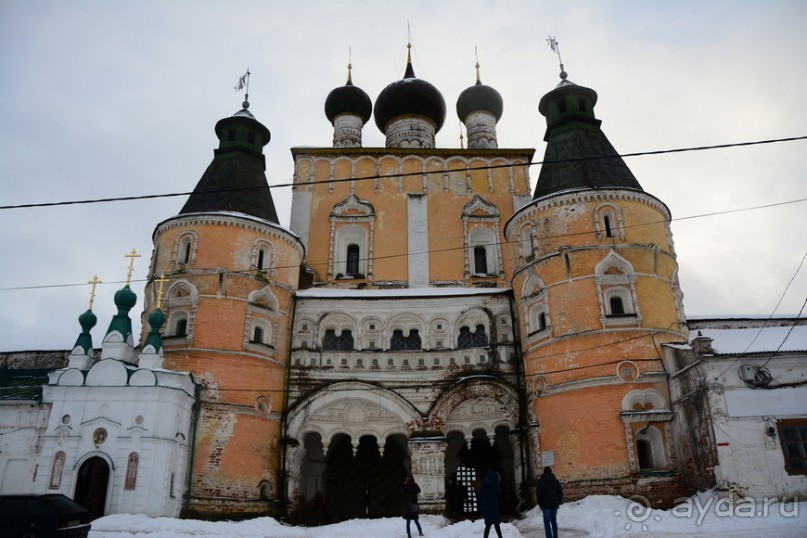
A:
[601,516]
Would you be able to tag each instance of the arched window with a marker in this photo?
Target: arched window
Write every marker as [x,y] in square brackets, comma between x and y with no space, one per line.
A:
[263,491]
[257,335]
[180,325]
[650,448]
[644,453]
[411,342]
[352,260]
[465,339]
[618,302]
[350,252]
[480,338]
[616,305]
[468,339]
[526,242]
[482,252]
[480,260]
[261,259]
[541,321]
[332,342]
[606,220]
[185,250]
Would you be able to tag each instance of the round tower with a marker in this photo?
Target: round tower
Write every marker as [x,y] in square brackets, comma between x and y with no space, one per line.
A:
[410,111]
[348,108]
[480,108]
[596,286]
[232,272]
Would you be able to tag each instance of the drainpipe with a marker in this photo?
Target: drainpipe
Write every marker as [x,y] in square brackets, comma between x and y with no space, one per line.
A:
[522,406]
[197,404]
[285,414]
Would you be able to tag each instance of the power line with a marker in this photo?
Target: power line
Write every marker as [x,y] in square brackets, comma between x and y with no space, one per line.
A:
[434,251]
[405,174]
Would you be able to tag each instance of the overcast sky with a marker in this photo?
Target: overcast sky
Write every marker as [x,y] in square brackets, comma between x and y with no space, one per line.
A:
[109,98]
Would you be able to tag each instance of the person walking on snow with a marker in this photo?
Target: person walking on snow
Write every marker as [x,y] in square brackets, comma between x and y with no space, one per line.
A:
[411,508]
[550,497]
[489,502]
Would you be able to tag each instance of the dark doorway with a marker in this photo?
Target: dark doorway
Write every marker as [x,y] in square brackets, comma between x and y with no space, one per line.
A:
[93,479]
[367,484]
[472,464]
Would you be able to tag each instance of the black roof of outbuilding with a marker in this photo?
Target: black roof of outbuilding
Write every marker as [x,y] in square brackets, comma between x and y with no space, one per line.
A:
[23,384]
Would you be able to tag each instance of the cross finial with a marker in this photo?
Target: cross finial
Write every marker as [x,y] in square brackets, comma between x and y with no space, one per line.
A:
[94,282]
[162,280]
[476,53]
[349,65]
[132,255]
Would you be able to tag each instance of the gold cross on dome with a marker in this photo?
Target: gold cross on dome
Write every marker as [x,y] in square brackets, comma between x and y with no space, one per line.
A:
[94,282]
[132,255]
[162,280]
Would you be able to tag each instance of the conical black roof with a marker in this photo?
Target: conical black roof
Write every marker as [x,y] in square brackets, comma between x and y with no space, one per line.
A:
[578,154]
[236,180]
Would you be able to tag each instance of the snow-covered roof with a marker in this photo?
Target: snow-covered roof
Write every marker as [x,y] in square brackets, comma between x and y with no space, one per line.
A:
[755,339]
[328,293]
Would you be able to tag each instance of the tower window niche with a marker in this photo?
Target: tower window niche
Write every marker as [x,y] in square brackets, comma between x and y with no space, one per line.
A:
[616,305]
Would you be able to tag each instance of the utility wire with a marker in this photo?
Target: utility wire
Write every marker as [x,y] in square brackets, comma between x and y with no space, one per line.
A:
[404,174]
[434,251]
[773,313]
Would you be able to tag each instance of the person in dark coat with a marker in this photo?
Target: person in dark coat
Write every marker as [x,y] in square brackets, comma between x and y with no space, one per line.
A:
[489,502]
[550,497]
[411,508]
[456,496]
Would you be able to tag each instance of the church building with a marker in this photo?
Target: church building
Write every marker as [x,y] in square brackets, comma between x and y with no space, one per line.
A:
[426,312]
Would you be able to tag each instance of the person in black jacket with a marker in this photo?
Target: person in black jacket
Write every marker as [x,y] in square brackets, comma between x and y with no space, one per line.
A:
[411,508]
[489,502]
[550,496]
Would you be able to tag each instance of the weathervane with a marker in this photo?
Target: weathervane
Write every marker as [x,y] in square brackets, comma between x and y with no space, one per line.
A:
[243,84]
[553,44]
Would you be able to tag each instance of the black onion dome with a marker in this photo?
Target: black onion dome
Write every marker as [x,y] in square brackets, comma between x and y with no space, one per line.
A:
[410,95]
[348,99]
[479,97]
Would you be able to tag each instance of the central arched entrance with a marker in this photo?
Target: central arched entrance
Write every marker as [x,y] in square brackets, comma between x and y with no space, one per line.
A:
[91,486]
[367,484]
[467,464]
